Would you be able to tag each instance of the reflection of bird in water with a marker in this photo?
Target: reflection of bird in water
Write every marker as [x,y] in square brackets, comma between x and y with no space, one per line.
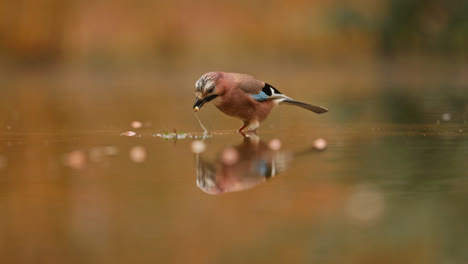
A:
[240,167]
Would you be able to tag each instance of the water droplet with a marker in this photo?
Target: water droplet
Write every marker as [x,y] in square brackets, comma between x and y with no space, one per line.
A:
[320,144]
[96,154]
[446,116]
[198,146]
[274,144]
[230,156]
[136,124]
[75,159]
[128,134]
[111,150]
[138,154]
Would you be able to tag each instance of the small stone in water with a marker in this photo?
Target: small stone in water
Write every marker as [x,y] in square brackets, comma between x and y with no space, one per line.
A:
[111,150]
[75,159]
[446,116]
[136,124]
[96,154]
[230,156]
[128,134]
[198,146]
[138,154]
[320,144]
[274,144]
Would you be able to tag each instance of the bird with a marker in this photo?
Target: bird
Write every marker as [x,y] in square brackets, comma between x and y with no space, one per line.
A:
[244,97]
[240,167]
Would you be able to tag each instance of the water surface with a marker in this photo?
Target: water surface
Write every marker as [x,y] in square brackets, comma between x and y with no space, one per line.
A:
[375,192]
[390,186]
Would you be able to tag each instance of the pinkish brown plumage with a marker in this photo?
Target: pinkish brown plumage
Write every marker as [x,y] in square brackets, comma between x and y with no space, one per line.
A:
[240,167]
[242,96]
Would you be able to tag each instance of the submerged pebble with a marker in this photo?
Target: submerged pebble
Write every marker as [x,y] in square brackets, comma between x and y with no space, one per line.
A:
[111,150]
[230,156]
[128,134]
[198,146]
[75,159]
[136,124]
[274,144]
[148,124]
[138,154]
[446,116]
[320,144]
[96,154]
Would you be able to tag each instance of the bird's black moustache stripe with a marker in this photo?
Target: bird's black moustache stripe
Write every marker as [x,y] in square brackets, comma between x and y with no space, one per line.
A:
[200,103]
[211,97]
[268,89]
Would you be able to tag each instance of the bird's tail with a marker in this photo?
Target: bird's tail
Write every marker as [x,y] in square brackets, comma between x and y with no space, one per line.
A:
[313,108]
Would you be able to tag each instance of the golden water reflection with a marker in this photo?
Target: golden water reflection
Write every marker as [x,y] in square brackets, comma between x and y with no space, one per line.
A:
[243,166]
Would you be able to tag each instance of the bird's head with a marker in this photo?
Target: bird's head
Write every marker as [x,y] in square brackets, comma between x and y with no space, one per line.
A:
[206,89]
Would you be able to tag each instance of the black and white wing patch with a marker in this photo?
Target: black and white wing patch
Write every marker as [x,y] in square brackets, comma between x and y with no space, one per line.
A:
[268,93]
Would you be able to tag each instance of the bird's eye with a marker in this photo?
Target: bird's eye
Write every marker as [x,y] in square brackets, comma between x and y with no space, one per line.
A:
[211,89]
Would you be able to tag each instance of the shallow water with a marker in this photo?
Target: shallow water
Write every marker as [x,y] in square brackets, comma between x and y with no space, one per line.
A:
[384,192]
[391,185]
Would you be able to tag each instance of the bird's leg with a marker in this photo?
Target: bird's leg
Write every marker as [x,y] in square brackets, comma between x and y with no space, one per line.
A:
[250,136]
[240,129]
[253,137]
[253,125]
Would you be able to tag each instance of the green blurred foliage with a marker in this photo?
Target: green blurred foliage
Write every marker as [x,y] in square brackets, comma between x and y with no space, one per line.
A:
[415,26]
[427,25]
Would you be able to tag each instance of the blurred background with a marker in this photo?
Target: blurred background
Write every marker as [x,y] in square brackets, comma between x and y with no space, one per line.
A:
[75,58]
[75,74]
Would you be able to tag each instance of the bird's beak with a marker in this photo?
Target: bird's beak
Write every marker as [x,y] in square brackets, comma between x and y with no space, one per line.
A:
[200,102]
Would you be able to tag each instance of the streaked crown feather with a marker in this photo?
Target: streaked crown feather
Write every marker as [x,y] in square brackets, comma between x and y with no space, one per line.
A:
[206,81]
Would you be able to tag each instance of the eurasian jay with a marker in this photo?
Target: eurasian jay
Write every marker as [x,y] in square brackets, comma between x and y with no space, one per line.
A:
[253,163]
[242,96]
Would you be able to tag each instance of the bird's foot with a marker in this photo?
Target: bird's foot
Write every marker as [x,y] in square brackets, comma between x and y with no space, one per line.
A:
[240,129]
[247,133]
[250,126]
[250,136]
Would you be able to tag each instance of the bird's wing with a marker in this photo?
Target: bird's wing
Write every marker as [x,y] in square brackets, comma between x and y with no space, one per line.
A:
[247,83]
[260,91]
[269,92]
